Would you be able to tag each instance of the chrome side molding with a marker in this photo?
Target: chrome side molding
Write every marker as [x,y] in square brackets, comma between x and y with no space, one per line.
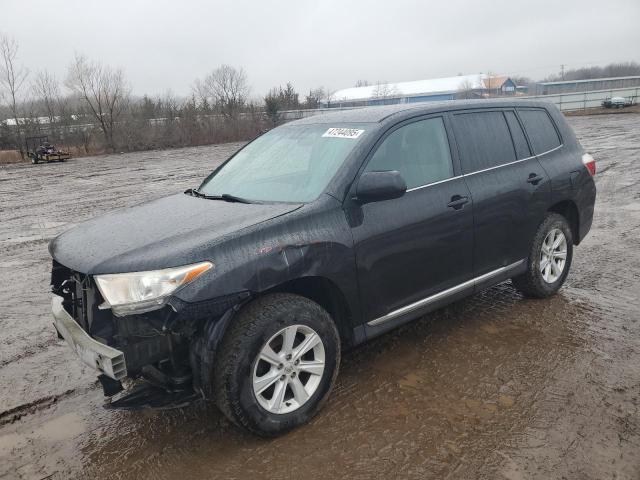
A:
[443,294]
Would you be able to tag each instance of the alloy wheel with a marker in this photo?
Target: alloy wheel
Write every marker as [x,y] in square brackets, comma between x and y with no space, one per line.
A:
[288,369]
[553,255]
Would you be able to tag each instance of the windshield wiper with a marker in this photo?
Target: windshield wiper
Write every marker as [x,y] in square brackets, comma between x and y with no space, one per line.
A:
[232,198]
[193,192]
[227,197]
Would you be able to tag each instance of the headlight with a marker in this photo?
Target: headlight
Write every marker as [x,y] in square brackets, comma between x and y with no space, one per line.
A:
[140,292]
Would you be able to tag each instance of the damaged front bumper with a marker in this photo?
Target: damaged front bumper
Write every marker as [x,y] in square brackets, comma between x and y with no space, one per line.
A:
[104,358]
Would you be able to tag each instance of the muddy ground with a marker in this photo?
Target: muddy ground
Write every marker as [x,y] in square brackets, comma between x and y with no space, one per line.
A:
[495,386]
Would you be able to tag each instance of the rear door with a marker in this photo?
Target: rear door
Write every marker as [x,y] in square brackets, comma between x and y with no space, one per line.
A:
[509,188]
[546,144]
[411,247]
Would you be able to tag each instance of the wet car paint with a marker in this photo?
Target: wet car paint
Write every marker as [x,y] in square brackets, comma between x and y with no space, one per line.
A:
[493,386]
[172,231]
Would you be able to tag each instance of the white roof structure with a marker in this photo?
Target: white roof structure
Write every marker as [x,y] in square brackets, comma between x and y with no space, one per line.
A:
[410,89]
[11,122]
[587,80]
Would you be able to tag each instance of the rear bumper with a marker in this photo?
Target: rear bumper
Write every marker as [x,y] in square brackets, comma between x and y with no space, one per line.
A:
[107,360]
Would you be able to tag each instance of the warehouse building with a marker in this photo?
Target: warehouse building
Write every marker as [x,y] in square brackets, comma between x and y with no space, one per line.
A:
[571,86]
[462,86]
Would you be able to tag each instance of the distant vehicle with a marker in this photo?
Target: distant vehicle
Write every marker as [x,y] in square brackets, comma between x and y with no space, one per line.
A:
[40,150]
[617,102]
[315,237]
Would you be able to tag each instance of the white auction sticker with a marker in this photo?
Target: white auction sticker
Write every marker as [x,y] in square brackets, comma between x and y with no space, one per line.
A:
[343,133]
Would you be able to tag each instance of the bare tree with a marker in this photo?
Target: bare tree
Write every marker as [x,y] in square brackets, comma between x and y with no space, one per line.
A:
[226,88]
[314,98]
[46,89]
[611,70]
[103,90]
[362,83]
[201,92]
[465,89]
[329,96]
[12,78]
[382,91]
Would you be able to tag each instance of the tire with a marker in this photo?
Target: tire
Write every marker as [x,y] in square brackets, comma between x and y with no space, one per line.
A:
[238,366]
[535,282]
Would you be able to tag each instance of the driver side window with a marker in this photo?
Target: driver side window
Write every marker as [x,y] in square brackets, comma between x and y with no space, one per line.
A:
[419,151]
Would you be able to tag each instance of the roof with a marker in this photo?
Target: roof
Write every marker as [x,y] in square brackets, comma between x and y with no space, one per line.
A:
[562,82]
[494,82]
[405,89]
[380,113]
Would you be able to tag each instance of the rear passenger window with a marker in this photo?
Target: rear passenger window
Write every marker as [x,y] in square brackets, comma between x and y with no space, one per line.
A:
[484,140]
[419,151]
[519,140]
[540,129]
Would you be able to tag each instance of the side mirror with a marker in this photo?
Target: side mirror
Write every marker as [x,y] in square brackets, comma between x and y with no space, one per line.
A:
[375,186]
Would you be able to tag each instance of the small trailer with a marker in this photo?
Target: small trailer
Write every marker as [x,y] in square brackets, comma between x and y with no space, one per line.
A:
[40,150]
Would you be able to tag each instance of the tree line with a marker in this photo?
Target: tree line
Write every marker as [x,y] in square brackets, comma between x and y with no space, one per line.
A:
[622,69]
[92,109]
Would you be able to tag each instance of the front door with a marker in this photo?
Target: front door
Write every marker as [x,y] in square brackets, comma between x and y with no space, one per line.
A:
[420,244]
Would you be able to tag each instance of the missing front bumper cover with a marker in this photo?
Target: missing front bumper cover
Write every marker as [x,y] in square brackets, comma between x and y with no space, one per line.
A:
[145,395]
[104,358]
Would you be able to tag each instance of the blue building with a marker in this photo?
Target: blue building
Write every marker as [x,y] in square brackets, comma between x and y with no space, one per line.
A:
[590,84]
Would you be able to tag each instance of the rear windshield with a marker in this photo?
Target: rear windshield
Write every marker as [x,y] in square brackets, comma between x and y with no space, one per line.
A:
[288,164]
[539,127]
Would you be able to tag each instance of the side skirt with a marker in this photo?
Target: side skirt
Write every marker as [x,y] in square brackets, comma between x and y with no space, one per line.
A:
[415,310]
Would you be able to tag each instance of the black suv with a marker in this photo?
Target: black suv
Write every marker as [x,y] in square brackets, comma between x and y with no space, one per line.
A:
[316,237]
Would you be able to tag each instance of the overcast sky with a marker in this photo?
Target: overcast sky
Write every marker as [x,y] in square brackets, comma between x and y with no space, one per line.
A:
[164,45]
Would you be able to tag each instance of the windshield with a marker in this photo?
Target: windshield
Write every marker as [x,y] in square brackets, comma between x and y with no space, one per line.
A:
[288,164]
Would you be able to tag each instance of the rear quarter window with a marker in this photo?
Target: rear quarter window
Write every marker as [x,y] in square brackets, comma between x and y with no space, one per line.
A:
[484,140]
[540,129]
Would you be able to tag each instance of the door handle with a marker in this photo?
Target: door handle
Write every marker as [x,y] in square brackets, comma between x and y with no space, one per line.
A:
[534,178]
[457,202]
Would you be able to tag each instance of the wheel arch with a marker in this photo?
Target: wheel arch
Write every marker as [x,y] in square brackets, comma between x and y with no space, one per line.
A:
[569,210]
[328,295]
[319,289]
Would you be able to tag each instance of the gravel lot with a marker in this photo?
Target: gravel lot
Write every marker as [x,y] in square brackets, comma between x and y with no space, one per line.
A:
[495,386]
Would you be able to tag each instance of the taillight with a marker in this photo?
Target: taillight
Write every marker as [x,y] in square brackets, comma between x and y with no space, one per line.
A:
[590,163]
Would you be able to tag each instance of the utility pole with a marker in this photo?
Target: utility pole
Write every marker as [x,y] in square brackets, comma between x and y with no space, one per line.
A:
[562,71]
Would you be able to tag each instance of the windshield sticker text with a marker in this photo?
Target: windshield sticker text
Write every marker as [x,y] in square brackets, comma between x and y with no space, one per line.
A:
[343,133]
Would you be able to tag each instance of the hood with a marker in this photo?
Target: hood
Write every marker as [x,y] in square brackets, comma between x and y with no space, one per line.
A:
[168,232]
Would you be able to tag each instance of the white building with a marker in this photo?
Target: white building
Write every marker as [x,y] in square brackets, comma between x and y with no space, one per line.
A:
[432,89]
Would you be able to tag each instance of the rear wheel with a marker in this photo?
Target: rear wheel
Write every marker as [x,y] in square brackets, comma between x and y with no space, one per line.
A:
[277,364]
[549,259]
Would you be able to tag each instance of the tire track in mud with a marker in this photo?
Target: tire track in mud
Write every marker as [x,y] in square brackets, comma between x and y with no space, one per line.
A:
[39,202]
[16,413]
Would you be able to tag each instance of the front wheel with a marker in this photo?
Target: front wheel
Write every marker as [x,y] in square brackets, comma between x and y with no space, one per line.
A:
[549,259]
[277,364]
